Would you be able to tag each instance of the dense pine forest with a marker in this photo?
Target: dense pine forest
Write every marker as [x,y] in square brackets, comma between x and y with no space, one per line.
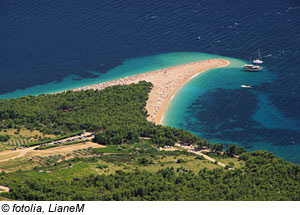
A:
[72,111]
[131,167]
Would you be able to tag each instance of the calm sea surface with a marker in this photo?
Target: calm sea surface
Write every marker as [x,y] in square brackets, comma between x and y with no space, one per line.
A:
[48,46]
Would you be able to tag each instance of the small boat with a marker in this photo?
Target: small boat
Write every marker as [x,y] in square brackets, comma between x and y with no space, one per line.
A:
[245,86]
[259,59]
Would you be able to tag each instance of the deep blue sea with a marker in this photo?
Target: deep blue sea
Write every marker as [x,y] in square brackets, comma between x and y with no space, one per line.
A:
[48,46]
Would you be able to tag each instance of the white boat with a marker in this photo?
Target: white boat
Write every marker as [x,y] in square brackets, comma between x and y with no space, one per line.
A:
[245,86]
[259,59]
[252,68]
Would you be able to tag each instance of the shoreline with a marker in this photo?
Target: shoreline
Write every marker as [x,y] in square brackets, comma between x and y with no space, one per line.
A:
[161,118]
[166,83]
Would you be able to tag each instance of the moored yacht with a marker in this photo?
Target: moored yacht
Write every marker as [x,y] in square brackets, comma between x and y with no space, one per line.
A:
[252,68]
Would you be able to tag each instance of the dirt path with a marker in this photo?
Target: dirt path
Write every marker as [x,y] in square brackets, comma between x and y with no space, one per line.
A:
[66,149]
[190,149]
[207,157]
[21,153]
[56,150]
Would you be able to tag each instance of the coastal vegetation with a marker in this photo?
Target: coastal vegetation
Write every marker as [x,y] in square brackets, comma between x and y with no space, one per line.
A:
[137,160]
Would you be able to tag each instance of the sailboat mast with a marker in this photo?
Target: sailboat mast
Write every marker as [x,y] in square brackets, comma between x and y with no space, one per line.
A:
[259,55]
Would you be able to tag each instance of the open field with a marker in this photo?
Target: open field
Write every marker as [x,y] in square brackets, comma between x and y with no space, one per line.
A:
[10,155]
[6,156]
[189,163]
[161,163]
[16,164]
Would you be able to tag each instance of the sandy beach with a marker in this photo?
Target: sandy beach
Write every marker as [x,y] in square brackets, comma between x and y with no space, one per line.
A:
[166,82]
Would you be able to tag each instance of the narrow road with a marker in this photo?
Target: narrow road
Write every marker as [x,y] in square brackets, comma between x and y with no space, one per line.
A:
[189,149]
[21,153]
[206,157]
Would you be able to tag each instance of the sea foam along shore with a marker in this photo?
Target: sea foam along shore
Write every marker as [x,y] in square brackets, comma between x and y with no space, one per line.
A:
[166,82]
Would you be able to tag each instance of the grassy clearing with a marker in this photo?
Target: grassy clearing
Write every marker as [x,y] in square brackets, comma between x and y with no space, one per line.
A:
[229,161]
[66,171]
[111,169]
[10,155]
[190,163]
[62,172]
[16,164]
[160,162]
